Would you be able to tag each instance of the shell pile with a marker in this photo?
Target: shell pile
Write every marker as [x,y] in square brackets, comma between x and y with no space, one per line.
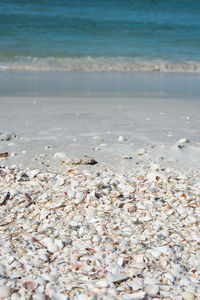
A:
[80,234]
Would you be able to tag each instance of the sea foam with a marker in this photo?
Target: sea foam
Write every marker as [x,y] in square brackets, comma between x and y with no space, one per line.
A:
[99,64]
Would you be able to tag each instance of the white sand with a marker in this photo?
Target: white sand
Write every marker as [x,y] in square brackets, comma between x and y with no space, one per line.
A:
[92,126]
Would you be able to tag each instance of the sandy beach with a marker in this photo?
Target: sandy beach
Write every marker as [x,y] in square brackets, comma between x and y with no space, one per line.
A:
[99,150]
[99,198]
[116,132]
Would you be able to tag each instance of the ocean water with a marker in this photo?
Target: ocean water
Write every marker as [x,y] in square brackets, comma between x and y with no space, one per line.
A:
[100,35]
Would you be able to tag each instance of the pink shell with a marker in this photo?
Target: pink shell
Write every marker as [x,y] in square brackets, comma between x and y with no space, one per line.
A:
[30,286]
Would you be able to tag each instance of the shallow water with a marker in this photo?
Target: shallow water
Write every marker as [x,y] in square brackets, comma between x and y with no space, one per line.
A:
[111,84]
[79,35]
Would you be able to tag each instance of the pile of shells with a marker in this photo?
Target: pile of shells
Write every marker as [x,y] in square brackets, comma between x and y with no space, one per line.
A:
[80,234]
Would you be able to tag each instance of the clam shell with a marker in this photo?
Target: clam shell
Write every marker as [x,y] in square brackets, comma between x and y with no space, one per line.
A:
[30,286]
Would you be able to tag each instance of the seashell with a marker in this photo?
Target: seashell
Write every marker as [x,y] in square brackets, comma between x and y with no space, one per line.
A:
[30,286]
[16,296]
[60,155]
[44,213]
[43,228]
[49,243]
[122,138]
[102,284]
[155,167]
[4,291]
[90,211]
[28,197]
[60,180]
[33,173]
[3,270]
[151,290]
[58,296]
[48,277]
[140,151]
[132,208]
[40,296]
[183,141]
[96,239]
[188,295]
[4,198]
[166,207]
[117,277]
[82,297]
[120,261]
[138,295]
[169,276]
[80,196]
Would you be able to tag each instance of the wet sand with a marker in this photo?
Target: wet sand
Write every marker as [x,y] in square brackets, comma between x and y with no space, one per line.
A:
[116,132]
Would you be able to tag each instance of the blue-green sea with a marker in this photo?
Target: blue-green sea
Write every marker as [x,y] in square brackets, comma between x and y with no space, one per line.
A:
[100,35]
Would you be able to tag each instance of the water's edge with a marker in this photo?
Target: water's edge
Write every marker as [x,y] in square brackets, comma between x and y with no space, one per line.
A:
[117,84]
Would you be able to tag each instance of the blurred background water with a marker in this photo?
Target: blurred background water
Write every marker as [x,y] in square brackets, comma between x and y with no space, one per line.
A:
[100,35]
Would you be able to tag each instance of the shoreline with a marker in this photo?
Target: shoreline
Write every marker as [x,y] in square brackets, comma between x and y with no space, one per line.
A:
[105,84]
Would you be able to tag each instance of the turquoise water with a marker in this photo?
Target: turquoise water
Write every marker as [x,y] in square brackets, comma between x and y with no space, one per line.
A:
[101,35]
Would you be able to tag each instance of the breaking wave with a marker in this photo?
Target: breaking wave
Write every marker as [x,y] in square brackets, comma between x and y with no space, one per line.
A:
[100,64]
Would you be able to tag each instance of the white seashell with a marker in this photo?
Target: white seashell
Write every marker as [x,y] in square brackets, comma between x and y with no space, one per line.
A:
[58,296]
[71,193]
[188,295]
[44,257]
[4,291]
[177,270]
[5,250]
[100,229]
[183,141]
[185,281]
[156,176]
[48,277]
[140,151]
[16,296]
[44,213]
[33,173]
[4,197]
[60,180]
[60,155]
[155,167]
[120,261]
[79,197]
[151,290]
[117,277]
[169,276]
[96,239]
[39,296]
[138,295]
[3,270]
[49,243]
[82,297]
[136,285]
[102,284]
[74,183]
[165,250]
[122,138]
[59,244]
[90,211]
[15,275]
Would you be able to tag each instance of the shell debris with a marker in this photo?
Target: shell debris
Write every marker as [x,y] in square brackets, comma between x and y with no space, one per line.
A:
[80,234]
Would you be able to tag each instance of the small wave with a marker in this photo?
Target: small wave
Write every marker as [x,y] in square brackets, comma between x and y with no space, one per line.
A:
[100,64]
